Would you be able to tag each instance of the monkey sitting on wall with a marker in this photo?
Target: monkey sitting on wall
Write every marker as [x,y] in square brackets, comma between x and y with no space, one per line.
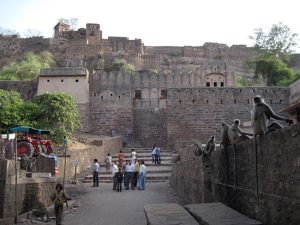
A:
[209,148]
[261,115]
[236,135]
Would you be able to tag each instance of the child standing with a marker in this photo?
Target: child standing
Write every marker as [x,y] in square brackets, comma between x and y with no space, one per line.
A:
[119,176]
[59,197]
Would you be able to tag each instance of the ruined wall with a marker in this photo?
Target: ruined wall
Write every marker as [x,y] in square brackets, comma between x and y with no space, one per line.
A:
[197,113]
[278,177]
[28,89]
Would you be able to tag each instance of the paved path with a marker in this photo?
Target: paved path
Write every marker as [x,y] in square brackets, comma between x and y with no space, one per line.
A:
[103,206]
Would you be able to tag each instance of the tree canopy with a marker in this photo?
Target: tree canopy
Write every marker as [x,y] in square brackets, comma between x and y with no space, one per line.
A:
[29,67]
[274,49]
[54,111]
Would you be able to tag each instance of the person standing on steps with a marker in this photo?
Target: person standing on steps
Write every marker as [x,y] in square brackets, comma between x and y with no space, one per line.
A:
[153,153]
[96,168]
[157,155]
[121,158]
[142,176]
[108,162]
[114,173]
[133,156]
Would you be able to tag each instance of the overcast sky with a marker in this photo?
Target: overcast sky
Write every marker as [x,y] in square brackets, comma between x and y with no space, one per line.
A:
[157,22]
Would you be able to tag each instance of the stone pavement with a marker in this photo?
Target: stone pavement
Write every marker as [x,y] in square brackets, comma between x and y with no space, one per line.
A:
[103,206]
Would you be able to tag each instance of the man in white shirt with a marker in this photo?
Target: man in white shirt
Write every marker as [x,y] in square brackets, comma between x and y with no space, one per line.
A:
[114,172]
[130,171]
[142,176]
[96,168]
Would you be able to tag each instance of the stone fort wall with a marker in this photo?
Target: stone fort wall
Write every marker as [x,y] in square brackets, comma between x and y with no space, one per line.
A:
[278,200]
[197,113]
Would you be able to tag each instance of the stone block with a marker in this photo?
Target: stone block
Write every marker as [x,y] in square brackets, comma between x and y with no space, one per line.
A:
[218,214]
[168,214]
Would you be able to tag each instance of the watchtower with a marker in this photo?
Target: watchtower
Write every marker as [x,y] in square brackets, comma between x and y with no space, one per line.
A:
[93,34]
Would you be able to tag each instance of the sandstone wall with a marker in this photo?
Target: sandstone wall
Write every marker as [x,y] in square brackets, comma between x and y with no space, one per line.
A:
[278,177]
[197,113]
[31,192]
[86,157]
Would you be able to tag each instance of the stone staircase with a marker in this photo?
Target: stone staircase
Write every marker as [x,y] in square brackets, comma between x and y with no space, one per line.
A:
[155,172]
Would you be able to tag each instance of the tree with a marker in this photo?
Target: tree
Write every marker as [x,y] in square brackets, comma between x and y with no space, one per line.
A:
[10,115]
[29,67]
[274,49]
[57,110]
[279,41]
[274,71]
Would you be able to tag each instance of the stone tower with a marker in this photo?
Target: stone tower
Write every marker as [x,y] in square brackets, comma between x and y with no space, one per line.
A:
[60,28]
[93,34]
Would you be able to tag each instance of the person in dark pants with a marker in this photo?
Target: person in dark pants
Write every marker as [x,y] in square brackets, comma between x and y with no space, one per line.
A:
[96,168]
[59,197]
[119,176]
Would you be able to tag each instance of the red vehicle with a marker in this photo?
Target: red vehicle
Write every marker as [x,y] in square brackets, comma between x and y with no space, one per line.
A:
[31,142]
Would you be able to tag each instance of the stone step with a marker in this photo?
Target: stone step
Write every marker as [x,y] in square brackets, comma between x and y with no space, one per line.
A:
[168,214]
[217,213]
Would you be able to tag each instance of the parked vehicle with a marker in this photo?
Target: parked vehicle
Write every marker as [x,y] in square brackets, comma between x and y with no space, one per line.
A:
[30,141]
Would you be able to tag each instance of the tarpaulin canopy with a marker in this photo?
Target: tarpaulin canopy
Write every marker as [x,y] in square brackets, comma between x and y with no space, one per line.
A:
[29,130]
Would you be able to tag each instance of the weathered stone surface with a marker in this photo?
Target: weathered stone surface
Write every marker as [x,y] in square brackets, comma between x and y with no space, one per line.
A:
[217,213]
[168,214]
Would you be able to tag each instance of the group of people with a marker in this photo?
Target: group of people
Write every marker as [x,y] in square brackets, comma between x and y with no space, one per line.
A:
[132,173]
[156,153]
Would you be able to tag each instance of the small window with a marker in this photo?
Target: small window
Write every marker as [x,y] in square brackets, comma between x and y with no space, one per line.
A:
[77,80]
[138,94]
[61,80]
[207,84]
[48,80]
[215,84]
[222,84]
[163,94]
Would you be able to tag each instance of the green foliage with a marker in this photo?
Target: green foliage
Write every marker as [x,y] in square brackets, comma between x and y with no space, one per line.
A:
[29,67]
[274,49]
[57,135]
[10,114]
[274,71]
[279,41]
[120,65]
[58,111]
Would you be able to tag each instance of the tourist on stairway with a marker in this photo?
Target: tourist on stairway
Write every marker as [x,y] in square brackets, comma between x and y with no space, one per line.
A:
[136,172]
[119,176]
[153,153]
[96,168]
[133,156]
[142,176]
[121,158]
[108,162]
[114,172]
